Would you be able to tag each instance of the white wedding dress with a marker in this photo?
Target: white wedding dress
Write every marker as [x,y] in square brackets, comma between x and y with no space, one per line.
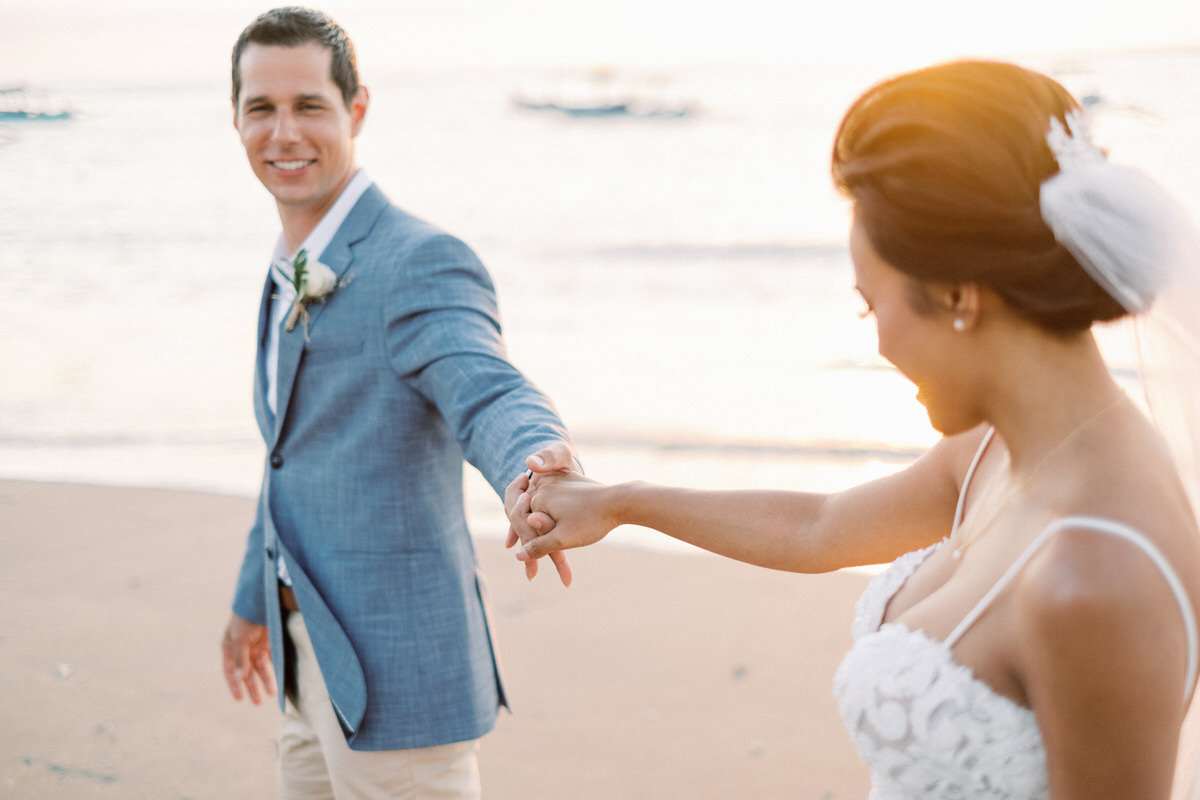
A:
[926,727]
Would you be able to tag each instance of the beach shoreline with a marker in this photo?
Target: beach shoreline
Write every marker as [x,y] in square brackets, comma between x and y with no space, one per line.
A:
[655,675]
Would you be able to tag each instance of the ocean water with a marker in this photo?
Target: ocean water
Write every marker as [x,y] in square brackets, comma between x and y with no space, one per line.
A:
[680,287]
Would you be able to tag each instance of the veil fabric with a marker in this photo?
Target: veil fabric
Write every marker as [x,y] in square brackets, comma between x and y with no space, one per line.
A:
[1139,243]
[1141,246]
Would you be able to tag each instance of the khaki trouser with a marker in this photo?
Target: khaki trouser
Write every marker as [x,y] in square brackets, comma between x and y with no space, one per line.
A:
[316,764]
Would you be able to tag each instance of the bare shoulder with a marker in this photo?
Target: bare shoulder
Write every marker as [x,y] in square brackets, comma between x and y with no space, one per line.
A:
[1095,605]
[946,463]
[1102,656]
[961,448]
[1084,570]
[1124,524]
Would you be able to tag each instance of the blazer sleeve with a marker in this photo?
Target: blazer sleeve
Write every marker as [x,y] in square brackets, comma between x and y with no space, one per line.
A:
[248,600]
[444,337]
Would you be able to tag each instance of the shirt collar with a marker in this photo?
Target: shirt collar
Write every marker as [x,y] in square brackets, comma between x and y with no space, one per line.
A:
[320,237]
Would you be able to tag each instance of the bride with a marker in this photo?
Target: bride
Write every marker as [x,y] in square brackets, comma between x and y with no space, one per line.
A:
[1035,635]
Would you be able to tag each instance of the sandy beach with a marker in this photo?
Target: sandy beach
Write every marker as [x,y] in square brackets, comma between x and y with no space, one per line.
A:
[654,676]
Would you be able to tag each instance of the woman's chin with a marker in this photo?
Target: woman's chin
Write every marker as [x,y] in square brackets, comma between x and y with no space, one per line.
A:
[949,426]
[936,420]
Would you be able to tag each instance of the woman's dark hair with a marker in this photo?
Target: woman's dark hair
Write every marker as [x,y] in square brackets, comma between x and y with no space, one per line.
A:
[293,26]
[945,167]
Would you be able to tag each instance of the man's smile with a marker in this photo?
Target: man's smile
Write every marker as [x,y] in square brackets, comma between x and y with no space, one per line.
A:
[291,166]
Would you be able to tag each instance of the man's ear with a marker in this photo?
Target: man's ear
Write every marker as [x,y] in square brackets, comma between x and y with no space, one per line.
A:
[358,109]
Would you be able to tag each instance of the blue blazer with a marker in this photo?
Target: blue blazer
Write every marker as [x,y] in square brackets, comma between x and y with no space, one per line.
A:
[403,374]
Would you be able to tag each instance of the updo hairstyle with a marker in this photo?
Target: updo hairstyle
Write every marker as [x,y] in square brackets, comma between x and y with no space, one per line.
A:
[944,166]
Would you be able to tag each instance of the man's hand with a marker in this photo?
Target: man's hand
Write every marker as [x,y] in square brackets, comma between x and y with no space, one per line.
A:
[246,653]
[524,525]
[582,509]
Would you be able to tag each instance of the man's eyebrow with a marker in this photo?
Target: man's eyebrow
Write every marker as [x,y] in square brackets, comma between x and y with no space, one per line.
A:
[249,101]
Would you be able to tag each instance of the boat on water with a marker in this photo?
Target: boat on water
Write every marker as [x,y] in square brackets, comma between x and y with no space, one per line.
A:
[604,109]
[601,93]
[21,115]
[18,105]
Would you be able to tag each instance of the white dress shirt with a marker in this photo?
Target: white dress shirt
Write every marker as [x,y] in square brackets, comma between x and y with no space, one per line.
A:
[284,293]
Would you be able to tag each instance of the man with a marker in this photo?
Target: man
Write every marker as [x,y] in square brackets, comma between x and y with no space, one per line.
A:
[380,366]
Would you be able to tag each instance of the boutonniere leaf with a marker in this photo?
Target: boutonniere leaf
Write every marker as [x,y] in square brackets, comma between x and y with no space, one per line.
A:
[313,282]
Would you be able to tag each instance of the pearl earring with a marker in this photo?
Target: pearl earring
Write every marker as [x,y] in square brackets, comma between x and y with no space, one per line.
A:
[960,324]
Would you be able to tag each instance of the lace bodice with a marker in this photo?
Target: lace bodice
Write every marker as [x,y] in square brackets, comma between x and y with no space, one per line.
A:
[924,724]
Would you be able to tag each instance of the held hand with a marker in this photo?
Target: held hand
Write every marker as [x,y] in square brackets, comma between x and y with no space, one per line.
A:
[557,458]
[520,526]
[246,656]
[580,507]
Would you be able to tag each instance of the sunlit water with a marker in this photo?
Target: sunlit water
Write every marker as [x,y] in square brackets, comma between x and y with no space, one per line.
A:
[680,287]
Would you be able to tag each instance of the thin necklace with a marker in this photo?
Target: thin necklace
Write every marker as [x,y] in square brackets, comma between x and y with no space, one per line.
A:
[958,551]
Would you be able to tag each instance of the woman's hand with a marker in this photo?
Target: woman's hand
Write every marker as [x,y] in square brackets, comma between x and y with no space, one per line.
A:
[581,509]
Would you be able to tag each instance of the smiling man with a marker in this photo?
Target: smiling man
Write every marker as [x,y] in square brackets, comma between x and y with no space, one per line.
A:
[359,591]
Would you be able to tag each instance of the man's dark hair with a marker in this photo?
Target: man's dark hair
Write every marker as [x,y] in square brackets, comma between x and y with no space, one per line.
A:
[293,26]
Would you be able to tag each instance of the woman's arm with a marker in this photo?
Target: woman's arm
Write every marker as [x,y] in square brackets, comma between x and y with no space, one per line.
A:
[795,531]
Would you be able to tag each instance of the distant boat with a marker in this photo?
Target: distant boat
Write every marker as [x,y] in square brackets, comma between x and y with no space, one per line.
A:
[18,106]
[601,95]
[33,116]
[634,108]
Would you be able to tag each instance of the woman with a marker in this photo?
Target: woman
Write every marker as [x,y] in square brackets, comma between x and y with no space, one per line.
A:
[1035,636]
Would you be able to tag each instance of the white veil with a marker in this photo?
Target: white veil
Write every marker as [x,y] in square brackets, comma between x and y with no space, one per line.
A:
[1139,243]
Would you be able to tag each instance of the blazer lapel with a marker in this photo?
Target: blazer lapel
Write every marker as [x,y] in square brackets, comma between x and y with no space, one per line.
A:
[262,410]
[357,225]
[338,256]
[291,345]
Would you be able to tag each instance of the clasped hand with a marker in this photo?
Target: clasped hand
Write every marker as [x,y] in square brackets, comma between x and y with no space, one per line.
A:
[551,509]
[524,525]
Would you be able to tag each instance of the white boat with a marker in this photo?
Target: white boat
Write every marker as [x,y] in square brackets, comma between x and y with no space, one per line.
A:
[16,105]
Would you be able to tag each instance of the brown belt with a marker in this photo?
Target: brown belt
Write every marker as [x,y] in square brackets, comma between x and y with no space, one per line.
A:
[287,598]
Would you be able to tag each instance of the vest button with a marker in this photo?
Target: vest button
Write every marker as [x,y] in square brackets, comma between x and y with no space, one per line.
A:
[276,460]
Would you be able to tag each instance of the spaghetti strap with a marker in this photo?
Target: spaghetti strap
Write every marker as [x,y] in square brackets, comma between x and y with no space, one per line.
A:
[1115,529]
[1000,585]
[962,493]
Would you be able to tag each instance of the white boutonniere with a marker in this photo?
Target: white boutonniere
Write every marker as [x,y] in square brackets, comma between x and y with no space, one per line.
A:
[312,281]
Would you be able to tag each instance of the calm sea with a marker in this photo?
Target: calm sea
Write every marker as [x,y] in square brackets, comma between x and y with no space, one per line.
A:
[680,286]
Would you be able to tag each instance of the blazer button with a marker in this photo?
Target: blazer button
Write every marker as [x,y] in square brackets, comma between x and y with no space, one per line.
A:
[276,460]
